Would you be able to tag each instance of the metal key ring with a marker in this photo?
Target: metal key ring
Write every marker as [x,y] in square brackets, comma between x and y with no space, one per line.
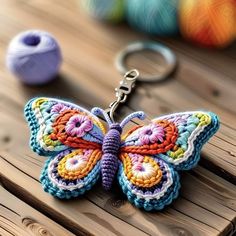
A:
[168,55]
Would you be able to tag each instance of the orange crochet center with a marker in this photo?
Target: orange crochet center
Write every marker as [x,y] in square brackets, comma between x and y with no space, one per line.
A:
[60,134]
[171,135]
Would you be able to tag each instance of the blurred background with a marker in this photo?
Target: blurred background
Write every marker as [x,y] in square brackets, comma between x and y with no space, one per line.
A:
[88,35]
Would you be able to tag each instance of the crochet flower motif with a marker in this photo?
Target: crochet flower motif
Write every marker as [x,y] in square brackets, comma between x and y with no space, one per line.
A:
[78,125]
[151,134]
[76,163]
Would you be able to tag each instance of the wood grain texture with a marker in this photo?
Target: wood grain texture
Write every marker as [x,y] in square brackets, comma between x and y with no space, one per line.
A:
[18,218]
[204,79]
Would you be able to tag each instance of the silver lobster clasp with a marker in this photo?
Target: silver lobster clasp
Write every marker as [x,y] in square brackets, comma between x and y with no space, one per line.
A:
[126,85]
[122,91]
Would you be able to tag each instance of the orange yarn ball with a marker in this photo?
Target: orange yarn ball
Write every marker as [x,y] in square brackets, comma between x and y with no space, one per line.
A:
[210,23]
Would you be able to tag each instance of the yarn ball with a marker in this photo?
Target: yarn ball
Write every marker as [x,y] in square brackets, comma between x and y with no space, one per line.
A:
[111,10]
[209,23]
[153,16]
[34,57]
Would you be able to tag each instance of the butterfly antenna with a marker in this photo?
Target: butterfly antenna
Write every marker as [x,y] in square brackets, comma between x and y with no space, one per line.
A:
[99,111]
[138,114]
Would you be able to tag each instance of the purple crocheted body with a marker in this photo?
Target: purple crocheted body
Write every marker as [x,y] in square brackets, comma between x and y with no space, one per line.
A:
[110,147]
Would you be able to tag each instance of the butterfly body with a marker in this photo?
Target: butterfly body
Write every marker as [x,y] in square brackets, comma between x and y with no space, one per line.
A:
[146,160]
[110,148]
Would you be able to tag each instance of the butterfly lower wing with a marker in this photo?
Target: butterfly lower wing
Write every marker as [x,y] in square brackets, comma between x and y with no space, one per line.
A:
[71,172]
[54,126]
[148,182]
[176,138]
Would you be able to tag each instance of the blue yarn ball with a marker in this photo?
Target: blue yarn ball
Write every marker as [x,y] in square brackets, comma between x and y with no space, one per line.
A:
[153,16]
[34,57]
[106,10]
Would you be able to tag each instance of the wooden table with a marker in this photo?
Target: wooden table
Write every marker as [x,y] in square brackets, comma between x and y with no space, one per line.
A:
[204,79]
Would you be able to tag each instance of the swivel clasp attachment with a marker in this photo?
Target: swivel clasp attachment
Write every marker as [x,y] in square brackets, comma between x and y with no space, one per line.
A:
[126,85]
[125,88]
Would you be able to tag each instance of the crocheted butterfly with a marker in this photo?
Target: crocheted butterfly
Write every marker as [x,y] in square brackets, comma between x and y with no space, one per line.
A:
[146,159]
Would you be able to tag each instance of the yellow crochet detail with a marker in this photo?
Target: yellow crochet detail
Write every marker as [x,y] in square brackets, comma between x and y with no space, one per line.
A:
[204,119]
[80,172]
[149,181]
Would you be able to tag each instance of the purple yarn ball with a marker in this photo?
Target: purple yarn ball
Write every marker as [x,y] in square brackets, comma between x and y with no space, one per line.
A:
[34,57]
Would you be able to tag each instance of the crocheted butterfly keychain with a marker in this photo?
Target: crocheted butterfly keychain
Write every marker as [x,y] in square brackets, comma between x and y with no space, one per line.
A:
[146,160]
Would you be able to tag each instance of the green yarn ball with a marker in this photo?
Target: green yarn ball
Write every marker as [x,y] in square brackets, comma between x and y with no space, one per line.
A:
[157,17]
[106,10]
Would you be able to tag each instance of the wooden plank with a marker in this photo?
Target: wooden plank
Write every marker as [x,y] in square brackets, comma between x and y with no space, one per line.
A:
[186,214]
[18,218]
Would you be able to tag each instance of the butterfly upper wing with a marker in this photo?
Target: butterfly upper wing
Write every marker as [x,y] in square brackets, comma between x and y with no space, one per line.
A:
[176,138]
[194,130]
[72,137]
[54,128]
[71,172]
[151,155]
